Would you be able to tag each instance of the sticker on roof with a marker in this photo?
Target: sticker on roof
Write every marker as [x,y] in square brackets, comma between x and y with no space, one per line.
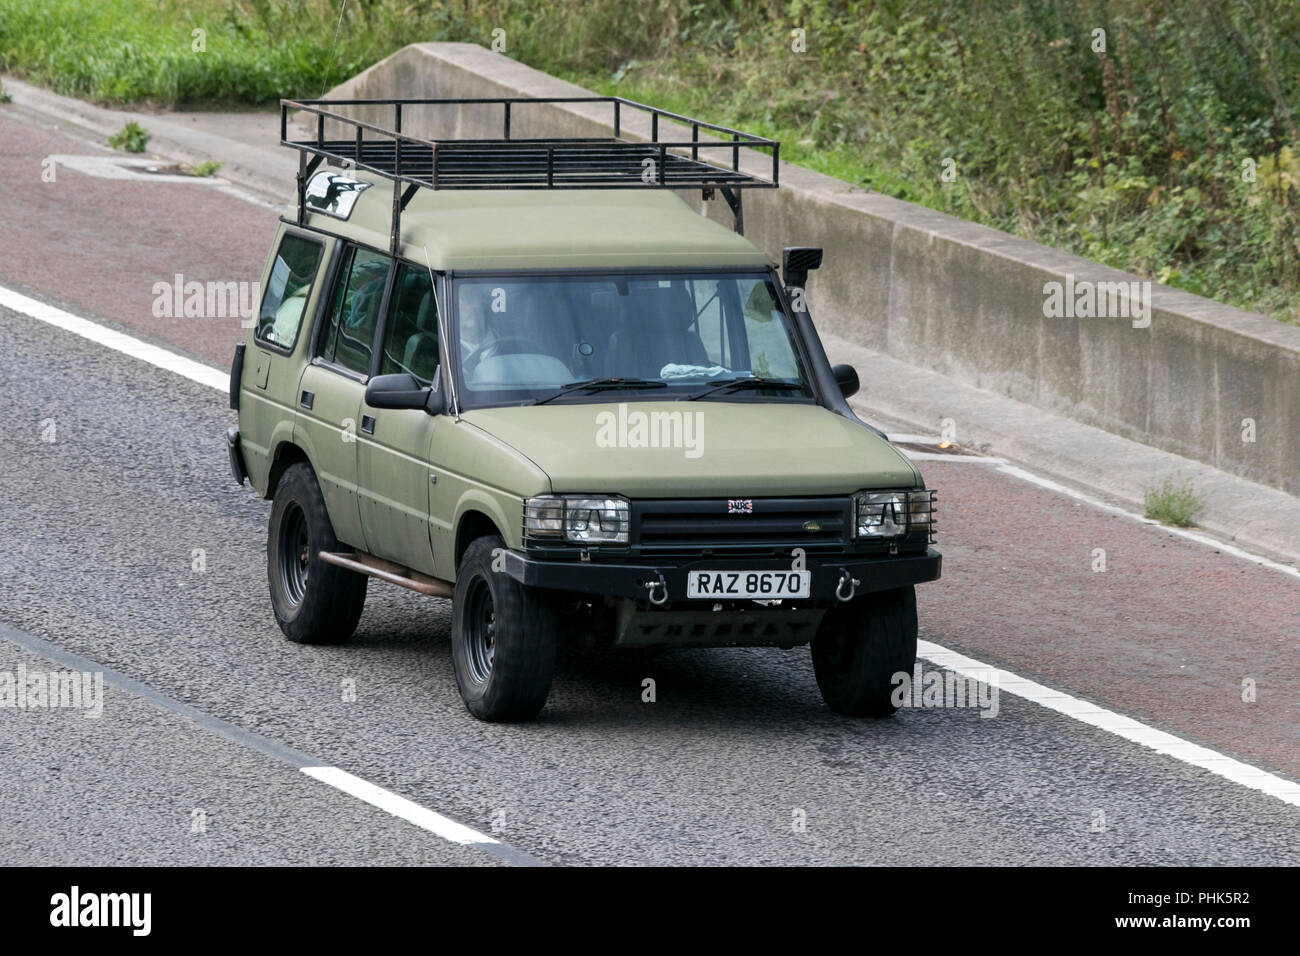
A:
[333,194]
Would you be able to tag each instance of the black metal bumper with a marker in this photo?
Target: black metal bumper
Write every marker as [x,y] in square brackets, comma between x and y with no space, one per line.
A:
[830,574]
[236,455]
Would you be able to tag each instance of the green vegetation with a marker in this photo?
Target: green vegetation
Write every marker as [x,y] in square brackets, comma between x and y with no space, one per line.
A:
[1164,147]
[1172,504]
[206,168]
[132,137]
[4,95]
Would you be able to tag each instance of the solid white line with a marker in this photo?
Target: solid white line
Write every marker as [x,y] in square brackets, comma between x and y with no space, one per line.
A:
[117,341]
[398,806]
[1205,539]
[1125,727]
[914,439]
[940,456]
[1118,724]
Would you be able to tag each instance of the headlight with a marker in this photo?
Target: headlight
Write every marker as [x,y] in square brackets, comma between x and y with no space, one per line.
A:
[577,519]
[891,514]
[881,514]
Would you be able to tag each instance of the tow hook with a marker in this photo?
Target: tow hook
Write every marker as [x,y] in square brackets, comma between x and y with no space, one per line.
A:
[849,581]
[657,587]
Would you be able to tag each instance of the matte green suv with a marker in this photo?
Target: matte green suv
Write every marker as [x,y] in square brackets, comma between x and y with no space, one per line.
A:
[576,412]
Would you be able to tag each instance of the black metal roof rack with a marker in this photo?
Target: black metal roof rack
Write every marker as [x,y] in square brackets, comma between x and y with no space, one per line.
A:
[506,163]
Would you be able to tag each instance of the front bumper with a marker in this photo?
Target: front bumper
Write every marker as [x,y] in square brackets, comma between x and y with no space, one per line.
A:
[666,578]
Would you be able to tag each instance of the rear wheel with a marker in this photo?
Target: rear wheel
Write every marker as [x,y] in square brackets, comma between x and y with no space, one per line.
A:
[314,602]
[502,639]
[860,646]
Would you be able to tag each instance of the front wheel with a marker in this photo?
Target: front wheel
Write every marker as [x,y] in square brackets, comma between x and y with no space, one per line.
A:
[502,639]
[860,647]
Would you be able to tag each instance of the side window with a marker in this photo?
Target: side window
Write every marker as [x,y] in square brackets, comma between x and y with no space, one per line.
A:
[349,335]
[287,289]
[411,339]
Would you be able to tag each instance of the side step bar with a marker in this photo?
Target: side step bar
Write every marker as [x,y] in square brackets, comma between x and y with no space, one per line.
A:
[364,563]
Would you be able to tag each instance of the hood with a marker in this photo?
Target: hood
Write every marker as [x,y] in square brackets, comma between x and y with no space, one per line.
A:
[698,449]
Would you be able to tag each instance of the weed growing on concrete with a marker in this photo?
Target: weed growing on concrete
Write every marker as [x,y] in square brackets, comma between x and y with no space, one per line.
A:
[1172,504]
[132,137]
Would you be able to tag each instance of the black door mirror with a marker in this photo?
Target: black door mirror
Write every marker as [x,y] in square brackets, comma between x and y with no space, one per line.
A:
[846,377]
[397,391]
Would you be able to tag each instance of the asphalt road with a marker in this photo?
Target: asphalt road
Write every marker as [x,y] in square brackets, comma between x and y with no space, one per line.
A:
[124,540]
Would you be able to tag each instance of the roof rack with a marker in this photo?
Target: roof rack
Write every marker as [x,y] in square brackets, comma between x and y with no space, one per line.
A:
[506,163]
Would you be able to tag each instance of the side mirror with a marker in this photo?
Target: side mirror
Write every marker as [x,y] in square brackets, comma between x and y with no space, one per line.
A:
[797,262]
[846,377]
[397,391]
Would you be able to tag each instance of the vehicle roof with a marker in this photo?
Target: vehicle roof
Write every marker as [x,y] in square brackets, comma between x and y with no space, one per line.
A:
[466,229]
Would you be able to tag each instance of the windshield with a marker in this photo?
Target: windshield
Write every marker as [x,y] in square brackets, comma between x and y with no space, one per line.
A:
[572,338]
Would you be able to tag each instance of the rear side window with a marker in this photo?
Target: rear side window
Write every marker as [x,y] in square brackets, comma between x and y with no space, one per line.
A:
[349,336]
[287,290]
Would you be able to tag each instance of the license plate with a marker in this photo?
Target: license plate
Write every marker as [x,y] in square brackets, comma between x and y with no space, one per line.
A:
[748,584]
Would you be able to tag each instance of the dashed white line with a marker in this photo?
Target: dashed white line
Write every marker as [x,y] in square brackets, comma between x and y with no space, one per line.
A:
[352,785]
[398,806]
[1081,710]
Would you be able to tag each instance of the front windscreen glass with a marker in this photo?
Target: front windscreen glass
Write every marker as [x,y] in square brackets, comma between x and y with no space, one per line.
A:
[625,337]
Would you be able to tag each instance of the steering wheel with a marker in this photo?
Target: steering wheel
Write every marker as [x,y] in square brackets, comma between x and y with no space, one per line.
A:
[522,345]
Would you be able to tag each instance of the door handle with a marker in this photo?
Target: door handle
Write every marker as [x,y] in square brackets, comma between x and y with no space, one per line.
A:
[308,399]
[368,424]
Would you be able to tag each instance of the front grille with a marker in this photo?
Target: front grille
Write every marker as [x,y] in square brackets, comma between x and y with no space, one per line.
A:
[744,525]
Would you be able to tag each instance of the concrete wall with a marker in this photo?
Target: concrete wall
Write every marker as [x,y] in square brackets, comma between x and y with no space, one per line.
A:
[945,294]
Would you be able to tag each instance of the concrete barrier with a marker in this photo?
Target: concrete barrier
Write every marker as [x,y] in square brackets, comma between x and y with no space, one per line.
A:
[1187,375]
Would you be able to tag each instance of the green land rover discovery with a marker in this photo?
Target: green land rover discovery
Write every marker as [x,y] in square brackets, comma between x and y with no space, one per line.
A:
[524,375]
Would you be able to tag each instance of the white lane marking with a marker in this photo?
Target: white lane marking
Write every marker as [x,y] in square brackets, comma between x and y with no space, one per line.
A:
[1196,536]
[1081,710]
[398,806]
[1126,727]
[117,341]
[940,456]
[913,439]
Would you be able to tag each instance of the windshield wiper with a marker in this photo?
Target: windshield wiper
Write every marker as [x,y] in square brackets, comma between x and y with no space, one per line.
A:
[735,384]
[600,385]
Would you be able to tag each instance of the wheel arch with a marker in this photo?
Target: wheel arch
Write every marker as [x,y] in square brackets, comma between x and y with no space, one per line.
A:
[471,525]
[286,454]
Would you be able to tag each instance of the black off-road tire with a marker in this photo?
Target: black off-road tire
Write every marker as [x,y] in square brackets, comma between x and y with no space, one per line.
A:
[860,646]
[314,602]
[502,639]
